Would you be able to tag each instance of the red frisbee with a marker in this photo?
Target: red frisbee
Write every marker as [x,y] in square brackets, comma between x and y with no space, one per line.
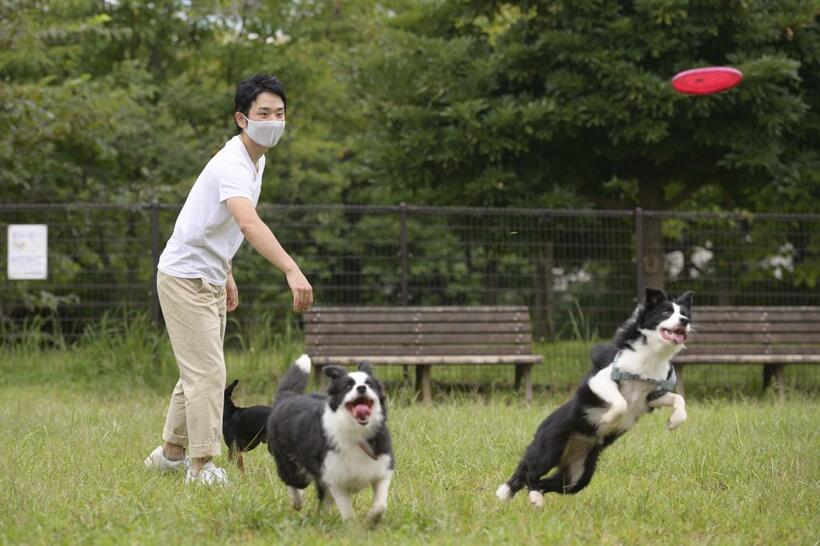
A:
[707,81]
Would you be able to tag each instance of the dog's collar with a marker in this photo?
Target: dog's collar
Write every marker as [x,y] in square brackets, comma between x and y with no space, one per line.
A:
[365,446]
[667,384]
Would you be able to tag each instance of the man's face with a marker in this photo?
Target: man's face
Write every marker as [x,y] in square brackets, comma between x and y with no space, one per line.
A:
[266,107]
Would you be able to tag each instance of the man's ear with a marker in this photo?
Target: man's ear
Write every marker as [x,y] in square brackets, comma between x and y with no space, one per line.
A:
[334,372]
[239,118]
[685,299]
[654,297]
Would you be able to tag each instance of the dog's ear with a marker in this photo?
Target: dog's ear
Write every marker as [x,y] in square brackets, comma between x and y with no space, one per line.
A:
[654,297]
[685,299]
[366,367]
[334,372]
[231,387]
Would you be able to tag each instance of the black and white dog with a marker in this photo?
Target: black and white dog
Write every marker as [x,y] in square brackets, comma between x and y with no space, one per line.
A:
[339,440]
[629,377]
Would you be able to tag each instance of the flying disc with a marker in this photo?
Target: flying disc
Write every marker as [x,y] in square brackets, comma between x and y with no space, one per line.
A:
[707,81]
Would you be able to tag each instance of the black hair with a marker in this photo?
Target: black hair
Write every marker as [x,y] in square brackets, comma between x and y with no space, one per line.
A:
[247,91]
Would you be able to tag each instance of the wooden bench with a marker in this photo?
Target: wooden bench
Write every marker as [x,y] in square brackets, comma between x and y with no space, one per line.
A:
[771,336]
[423,337]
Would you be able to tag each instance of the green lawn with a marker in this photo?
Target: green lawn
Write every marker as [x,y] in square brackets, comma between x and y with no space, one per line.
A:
[740,471]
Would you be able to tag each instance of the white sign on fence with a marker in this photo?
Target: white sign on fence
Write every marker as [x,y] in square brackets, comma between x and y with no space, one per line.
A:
[28,251]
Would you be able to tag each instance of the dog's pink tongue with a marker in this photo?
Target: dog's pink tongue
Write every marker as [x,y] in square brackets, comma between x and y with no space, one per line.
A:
[678,337]
[361,411]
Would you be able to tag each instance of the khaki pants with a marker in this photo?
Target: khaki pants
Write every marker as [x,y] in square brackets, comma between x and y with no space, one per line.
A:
[194,312]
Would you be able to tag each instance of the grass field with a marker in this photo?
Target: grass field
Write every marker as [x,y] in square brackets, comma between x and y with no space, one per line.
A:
[740,471]
[78,421]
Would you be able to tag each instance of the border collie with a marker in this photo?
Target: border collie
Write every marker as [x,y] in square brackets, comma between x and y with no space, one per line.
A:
[630,376]
[339,440]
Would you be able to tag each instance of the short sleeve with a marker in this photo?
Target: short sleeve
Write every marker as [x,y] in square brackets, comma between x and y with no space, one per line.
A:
[235,181]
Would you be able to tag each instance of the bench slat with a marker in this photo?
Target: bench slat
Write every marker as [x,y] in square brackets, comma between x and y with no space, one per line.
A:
[762,308]
[417,327]
[747,359]
[380,316]
[708,337]
[785,327]
[420,350]
[405,360]
[704,315]
[416,308]
[419,339]
[700,350]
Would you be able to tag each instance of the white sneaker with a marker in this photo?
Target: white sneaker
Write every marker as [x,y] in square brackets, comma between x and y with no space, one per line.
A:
[209,474]
[158,461]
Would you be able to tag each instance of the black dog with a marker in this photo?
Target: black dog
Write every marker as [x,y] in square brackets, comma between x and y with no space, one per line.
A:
[242,428]
[629,377]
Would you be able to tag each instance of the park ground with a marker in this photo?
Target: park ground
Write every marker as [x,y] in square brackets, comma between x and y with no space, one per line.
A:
[744,470]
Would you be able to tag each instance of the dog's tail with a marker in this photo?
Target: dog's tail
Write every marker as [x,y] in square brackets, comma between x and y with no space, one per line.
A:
[296,378]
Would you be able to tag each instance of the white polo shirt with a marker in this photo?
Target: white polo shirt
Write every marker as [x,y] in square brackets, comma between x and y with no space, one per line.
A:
[206,236]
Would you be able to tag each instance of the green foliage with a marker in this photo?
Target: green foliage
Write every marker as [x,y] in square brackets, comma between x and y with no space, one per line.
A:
[497,103]
[460,102]
[126,101]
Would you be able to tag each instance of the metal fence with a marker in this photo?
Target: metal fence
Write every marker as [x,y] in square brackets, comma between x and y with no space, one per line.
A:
[579,271]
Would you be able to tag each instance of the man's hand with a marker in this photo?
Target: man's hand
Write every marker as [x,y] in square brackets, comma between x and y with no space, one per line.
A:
[232,293]
[302,291]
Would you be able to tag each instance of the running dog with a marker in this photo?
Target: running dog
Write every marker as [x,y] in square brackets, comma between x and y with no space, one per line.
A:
[629,377]
[338,440]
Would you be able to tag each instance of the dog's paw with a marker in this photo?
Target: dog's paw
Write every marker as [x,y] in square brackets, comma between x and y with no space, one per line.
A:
[612,415]
[676,419]
[297,498]
[536,499]
[375,514]
[503,492]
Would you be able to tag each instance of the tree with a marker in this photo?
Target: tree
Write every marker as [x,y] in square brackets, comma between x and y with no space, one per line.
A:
[551,103]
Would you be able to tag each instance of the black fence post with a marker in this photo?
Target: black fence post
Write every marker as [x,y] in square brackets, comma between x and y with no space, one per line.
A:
[156,314]
[404,259]
[640,283]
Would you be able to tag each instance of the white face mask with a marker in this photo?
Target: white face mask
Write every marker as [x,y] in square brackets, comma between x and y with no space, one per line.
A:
[265,133]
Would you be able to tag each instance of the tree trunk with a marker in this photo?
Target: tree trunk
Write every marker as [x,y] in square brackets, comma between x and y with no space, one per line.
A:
[491,281]
[651,198]
[544,324]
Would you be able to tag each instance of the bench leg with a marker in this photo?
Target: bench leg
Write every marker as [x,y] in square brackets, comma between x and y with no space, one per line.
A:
[423,383]
[780,379]
[679,388]
[528,383]
[524,371]
[318,377]
[768,372]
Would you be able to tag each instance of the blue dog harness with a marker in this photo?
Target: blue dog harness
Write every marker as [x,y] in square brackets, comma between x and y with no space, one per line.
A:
[664,385]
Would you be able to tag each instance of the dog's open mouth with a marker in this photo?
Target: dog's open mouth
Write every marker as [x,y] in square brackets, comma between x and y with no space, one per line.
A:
[360,409]
[676,335]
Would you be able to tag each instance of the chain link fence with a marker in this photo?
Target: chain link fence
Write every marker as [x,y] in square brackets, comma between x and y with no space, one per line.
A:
[579,271]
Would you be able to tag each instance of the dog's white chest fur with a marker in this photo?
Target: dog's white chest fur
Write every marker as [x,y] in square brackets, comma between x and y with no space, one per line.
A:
[347,466]
[645,362]
[351,469]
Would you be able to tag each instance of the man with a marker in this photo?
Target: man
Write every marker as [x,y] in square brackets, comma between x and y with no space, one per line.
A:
[195,282]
